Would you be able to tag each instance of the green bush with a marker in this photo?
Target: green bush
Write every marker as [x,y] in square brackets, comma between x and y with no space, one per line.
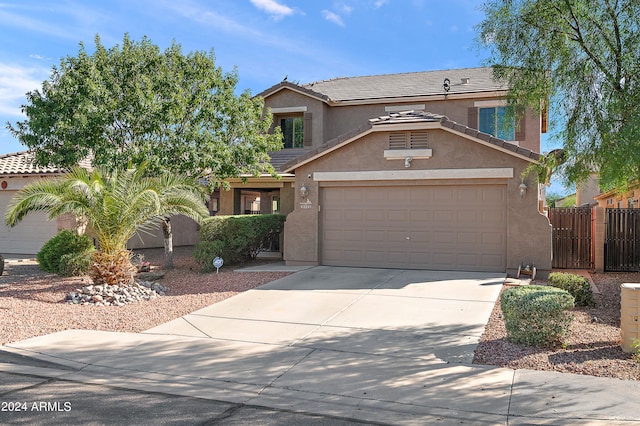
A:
[74,264]
[63,243]
[577,285]
[236,238]
[536,315]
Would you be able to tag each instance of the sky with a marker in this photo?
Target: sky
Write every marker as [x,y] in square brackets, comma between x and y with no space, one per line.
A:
[263,40]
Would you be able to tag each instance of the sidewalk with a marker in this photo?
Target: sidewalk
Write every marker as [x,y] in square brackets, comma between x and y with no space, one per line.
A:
[370,345]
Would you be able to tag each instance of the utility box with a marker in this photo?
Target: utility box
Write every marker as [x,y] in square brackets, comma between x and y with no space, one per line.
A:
[629,313]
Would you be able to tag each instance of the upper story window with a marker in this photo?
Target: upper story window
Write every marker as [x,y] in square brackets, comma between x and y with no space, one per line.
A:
[497,121]
[292,131]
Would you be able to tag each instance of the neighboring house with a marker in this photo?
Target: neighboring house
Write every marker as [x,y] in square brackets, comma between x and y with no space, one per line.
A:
[16,171]
[28,236]
[391,171]
[614,200]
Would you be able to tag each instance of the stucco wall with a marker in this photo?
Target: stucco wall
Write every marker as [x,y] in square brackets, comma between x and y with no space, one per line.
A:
[528,232]
[330,122]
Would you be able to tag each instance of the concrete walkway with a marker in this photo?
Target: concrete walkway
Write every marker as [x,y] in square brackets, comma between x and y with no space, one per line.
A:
[388,346]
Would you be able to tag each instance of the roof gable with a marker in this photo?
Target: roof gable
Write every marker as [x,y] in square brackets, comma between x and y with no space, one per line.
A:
[408,120]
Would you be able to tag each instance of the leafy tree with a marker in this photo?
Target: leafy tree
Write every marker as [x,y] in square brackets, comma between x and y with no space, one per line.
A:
[115,205]
[582,56]
[135,104]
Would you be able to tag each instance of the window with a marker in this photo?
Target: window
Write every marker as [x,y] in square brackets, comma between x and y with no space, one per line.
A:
[497,121]
[292,132]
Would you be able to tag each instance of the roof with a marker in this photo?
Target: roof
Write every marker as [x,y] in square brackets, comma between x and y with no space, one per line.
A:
[389,86]
[22,163]
[407,117]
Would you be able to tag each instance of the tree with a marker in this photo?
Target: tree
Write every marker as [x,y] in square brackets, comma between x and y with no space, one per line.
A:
[135,104]
[583,58]
[115,205]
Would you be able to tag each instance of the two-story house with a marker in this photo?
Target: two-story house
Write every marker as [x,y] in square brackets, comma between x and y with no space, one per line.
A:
[414,170]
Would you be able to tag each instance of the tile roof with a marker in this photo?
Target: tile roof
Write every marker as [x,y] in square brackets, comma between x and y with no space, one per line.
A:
[403,118]
[22,163]
[403,85]
[282,157]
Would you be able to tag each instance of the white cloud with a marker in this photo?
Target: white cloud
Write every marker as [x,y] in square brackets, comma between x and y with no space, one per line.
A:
[15,82]
[379,3]
[273,8]
[332,17]
[344,8]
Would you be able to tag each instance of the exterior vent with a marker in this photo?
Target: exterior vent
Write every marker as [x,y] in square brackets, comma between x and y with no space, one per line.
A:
[397,140]
[419,140]
[409,140]
[465,80]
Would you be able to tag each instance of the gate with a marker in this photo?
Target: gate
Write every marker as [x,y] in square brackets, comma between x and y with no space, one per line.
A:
[622,240]
[571,237]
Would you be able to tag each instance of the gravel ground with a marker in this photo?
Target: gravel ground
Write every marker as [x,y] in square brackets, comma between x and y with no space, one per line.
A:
[31,301]
[591,347]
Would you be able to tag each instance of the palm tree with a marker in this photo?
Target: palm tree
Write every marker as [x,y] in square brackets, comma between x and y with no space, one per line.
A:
[114,205]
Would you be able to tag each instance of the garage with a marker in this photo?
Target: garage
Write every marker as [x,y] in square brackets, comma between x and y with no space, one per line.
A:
[442,227]
[28,236]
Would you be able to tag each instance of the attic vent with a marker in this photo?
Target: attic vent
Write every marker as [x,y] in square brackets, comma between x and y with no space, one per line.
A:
[397,140]
[419,140]
[409,140]
[465,80]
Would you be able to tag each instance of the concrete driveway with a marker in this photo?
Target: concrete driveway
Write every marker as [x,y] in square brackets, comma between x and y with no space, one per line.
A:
[368,344]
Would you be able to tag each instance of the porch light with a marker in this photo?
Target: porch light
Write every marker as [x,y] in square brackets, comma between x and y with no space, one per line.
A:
[522,188]
[304,192]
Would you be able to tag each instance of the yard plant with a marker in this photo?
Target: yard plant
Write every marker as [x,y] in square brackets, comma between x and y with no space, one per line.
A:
[66,254]
[536,315]
[235,238]
[577,285]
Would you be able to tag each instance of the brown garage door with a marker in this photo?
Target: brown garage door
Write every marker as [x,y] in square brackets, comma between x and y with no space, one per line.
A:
[416,227]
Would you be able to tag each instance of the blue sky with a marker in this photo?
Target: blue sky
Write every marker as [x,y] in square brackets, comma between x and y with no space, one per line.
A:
[265,40]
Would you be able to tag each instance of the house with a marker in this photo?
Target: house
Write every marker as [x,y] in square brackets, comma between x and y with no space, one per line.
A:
[27,237]
[415,170]
[615,200]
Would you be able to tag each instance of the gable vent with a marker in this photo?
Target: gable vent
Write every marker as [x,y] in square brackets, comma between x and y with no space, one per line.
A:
[397,140]
[409,140]
[419,140]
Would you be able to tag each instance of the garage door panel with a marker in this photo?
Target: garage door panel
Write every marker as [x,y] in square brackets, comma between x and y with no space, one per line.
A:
[423,227]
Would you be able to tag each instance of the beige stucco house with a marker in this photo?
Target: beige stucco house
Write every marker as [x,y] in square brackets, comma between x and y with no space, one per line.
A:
[415,170]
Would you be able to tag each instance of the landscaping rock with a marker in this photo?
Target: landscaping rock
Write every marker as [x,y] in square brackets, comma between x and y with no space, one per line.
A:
[116,295]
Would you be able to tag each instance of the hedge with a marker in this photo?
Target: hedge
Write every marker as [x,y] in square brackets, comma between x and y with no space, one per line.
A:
[236,239]
[577,285]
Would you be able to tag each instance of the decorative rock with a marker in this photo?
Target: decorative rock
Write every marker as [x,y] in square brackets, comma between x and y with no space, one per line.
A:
[116,295]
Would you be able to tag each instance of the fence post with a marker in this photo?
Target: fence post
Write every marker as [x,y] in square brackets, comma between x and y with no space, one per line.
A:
[597,237]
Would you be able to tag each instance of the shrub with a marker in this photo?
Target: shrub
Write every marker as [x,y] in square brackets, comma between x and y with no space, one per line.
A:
[205,251]
[74,264]
[577,285]
[235,238]
[63,243]
[536,315]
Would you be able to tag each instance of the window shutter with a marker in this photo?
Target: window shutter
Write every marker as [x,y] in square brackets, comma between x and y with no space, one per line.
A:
[520,127]
[308,131]
[472,118]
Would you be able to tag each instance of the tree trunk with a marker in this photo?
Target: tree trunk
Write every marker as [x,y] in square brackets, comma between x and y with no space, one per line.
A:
[168,243]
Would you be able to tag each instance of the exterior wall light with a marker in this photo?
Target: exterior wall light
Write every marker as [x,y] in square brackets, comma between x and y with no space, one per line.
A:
[407,161]
[522,188]
[304,192]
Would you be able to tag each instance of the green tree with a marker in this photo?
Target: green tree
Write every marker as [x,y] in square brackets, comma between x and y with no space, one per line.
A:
[135,104]
[582,57]
[115,205]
